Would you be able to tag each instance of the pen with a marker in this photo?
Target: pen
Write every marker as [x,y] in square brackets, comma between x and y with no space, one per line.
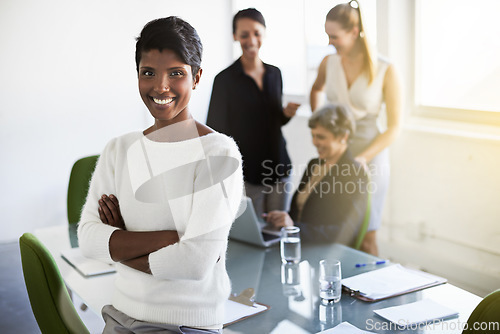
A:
[358,265]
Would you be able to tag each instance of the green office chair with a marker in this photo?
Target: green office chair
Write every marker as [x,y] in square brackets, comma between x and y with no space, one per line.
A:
[486,313]
[78,187]
[366,222]
[50,301]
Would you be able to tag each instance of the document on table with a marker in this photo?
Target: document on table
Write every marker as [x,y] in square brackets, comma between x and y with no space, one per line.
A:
[423,311]
[235,311]
[344,328]
[388,282]
[286,326]
[85,266]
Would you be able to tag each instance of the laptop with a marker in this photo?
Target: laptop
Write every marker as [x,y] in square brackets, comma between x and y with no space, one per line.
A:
[251,229]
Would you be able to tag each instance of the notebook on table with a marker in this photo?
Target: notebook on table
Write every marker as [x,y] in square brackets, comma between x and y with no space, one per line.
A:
[251,229]
[85,266]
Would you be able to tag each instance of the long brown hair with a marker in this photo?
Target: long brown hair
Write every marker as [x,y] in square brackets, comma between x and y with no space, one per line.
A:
[348,15]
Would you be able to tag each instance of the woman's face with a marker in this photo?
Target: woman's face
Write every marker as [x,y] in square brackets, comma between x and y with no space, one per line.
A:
[327,145]
[165,85]
[249,34]
[341,39]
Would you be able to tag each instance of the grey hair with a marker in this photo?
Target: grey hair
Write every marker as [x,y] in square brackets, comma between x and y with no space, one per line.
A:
[336,118]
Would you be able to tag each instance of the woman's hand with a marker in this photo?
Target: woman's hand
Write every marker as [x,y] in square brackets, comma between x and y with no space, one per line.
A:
[291,109]
[278,219]
[109,211]
[362,161]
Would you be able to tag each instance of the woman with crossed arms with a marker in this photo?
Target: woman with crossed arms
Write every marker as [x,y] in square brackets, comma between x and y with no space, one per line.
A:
[161,201]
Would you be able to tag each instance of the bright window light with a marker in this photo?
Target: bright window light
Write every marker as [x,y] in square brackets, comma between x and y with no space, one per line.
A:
[458,50]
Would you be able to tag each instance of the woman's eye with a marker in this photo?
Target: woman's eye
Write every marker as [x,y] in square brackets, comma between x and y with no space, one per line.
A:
[147,73]
[177,73]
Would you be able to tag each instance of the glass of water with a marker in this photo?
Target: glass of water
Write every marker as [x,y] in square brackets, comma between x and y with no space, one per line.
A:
[330,276]
[330,315]
[290,279]
[290,244]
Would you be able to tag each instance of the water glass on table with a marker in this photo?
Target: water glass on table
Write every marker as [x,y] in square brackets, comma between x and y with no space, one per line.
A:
[330,277]
[290,244]
[290,279]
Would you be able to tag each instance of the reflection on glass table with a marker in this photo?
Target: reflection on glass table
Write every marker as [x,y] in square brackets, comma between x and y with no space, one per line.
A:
[292,291]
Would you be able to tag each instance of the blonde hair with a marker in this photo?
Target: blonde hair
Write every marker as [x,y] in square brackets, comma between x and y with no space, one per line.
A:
[348,15]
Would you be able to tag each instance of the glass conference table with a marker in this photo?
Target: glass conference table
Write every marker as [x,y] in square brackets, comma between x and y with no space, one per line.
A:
[290,291]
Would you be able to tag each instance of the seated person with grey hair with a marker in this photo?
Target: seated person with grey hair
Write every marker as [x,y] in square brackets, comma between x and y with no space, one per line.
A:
[330,202]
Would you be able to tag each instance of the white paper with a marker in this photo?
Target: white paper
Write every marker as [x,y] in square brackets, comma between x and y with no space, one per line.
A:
[389,281]
[423,311]
[84,265]
[235,311]
[288,327]
[344,328]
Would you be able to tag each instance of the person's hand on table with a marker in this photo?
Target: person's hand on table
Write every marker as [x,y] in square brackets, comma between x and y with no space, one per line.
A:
[109,211]
[278,219]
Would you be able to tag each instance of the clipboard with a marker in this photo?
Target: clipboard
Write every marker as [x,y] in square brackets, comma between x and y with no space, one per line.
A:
[242,306]
[391,281]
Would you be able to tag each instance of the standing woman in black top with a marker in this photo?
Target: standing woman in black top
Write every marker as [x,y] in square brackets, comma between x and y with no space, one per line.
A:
[246,104]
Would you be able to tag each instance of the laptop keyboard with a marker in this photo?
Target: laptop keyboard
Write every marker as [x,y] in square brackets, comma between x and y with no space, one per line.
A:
[268,237]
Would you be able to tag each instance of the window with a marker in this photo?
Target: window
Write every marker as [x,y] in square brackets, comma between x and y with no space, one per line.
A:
[458,59]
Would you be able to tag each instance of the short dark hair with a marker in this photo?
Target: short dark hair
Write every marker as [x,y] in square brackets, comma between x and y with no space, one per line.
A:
[336,118]
[174,34]
[249,13]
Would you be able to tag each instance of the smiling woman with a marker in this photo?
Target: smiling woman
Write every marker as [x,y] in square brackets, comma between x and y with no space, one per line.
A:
[330,202]
[165,85]
[157,205]
[367,84]
[247,100]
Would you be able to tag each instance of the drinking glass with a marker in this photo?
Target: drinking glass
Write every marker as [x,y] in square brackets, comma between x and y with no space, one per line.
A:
[330,315]
[290,244]
[290,279]
[330,276]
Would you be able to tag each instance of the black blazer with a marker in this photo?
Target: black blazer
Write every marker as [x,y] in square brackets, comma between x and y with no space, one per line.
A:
[335,209]
[253,117]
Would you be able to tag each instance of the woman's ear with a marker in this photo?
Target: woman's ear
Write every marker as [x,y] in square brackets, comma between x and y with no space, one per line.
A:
[196,78]
[355,32]
[344,138]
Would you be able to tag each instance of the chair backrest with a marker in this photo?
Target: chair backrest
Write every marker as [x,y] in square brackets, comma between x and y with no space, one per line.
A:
[366,222]
[50,301]
[78,186]
[486,316]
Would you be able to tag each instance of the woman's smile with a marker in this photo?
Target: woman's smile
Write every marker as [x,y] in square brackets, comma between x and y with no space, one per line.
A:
[163,101]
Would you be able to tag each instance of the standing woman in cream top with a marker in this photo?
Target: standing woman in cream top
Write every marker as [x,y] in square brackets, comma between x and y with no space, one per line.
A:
[354,76]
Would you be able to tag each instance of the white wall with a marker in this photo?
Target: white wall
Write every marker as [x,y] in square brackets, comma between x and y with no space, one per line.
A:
[68,85]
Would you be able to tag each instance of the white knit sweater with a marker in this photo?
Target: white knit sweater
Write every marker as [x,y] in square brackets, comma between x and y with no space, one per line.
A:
[192,186]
